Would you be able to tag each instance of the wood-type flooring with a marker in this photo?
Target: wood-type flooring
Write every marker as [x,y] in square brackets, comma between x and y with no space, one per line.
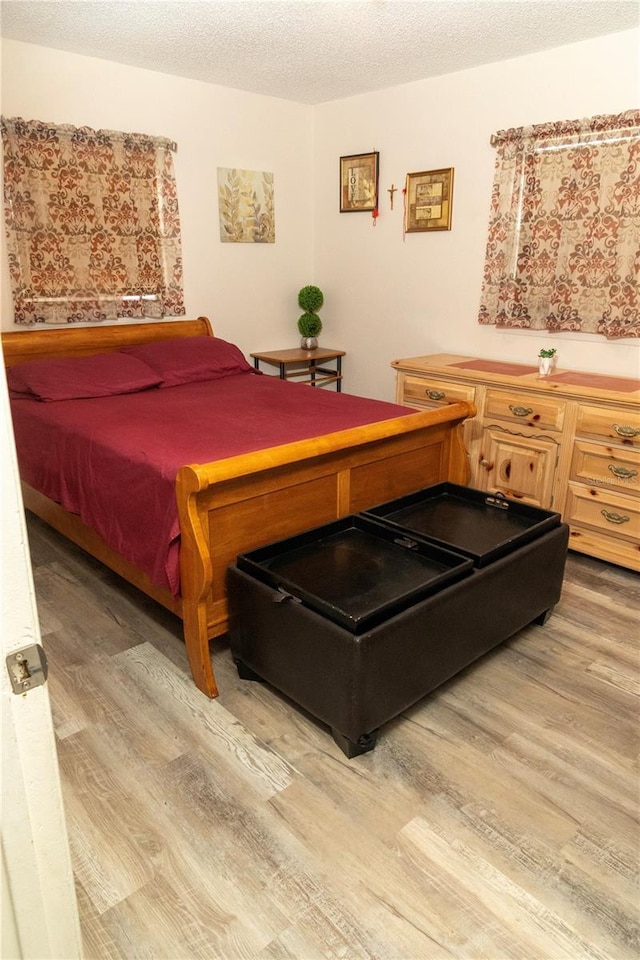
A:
[495,820]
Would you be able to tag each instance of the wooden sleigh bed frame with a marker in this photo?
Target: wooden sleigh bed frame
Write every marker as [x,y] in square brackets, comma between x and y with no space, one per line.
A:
[233,505]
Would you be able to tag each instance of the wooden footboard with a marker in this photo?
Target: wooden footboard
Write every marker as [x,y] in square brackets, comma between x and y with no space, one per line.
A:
[235,505]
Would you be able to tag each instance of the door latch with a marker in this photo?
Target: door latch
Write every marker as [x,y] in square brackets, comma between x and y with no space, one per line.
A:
[27,668]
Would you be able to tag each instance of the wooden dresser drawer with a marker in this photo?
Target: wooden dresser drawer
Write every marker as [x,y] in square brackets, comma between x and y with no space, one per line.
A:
[609,424]
[604,511]
[429,391]
[601,465]
[594,544]
[543,413]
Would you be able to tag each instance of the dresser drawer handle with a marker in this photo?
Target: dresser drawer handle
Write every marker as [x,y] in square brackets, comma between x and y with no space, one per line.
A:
[623,473]
[624,431]
[615,517]
[436,394]
[520,411]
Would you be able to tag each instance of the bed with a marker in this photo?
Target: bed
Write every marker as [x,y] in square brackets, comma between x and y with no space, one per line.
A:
[241,501]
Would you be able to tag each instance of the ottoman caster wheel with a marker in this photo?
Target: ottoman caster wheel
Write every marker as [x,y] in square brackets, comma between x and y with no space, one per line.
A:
[245,672]
[354,748]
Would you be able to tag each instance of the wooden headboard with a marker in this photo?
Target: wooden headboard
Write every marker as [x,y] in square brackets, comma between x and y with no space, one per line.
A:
[83,341]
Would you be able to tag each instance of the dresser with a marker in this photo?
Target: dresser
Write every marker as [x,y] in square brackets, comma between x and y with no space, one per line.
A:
[569,441]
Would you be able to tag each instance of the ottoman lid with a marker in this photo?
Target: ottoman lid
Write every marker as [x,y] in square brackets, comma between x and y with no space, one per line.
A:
[355,571]
[480,525]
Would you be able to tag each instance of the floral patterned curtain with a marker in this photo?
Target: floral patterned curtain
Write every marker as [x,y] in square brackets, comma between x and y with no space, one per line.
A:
[93,228]
[563,251]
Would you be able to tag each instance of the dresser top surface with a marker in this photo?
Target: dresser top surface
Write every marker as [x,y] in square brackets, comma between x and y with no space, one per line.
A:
[563,382]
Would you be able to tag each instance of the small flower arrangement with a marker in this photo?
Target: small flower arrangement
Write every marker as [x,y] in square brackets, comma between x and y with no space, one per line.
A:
[547,359]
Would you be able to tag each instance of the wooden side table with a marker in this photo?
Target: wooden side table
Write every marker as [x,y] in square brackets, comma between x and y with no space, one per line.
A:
[305,364]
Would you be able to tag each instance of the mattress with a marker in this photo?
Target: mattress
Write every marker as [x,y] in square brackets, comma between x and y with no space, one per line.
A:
[113,460]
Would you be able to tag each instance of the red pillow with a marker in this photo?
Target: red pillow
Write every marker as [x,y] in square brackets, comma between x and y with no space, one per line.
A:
[189,359]
[75,378]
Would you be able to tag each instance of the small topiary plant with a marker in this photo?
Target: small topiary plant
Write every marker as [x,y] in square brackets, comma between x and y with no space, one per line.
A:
[548,352]
[310,298]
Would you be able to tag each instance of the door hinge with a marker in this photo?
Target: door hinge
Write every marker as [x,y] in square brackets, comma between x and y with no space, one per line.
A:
[27,668]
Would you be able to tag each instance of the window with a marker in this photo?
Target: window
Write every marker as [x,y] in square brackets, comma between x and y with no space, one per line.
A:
[563,251]
[93,229]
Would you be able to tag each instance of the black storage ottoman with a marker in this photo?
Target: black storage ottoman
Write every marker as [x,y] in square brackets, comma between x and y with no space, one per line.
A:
[359,619]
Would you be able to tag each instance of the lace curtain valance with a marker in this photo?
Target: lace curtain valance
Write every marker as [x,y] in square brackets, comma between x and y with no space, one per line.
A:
[563,250]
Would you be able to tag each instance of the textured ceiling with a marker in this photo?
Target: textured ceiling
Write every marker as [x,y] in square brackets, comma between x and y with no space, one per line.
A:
[311,51]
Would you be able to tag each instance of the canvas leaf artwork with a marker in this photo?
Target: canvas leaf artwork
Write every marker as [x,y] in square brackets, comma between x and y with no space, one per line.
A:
[246,206]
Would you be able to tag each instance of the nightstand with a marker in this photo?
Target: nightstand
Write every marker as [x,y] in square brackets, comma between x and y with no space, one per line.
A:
[305,364]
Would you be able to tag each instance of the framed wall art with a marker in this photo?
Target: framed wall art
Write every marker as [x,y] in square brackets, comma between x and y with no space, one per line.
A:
[429,200]
[359,182]
[246,206]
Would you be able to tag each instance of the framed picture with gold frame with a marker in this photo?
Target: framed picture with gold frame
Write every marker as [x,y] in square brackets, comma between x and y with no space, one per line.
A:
[429,200]
[359,182]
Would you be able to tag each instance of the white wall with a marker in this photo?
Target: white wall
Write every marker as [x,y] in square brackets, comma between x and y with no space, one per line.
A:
[388,297]
[385,296]
[248,290]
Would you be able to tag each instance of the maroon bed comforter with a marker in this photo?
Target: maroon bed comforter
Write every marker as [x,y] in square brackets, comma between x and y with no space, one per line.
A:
[113,460]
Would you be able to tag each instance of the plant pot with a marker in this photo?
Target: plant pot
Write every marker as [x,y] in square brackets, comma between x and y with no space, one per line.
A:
[309,343]
[545,366]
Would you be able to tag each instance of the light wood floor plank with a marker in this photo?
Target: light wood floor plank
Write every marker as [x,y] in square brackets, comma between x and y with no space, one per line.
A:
[210,722]
[540,931]
[96,939]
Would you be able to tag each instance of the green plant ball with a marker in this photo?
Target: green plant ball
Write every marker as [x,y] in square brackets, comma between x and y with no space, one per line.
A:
[309,325]
[310,299]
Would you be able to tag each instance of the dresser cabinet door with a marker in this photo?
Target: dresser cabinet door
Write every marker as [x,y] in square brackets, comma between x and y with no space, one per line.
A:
[520,467]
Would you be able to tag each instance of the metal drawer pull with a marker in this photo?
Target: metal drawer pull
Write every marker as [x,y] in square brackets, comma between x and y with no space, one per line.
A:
[624,431]
[436,394]
[520,411]
[615,517]
[622,472]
